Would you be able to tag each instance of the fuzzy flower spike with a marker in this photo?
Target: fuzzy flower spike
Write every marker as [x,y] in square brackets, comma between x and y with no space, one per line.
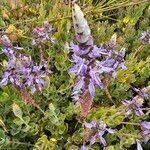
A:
[84,54]
[43,34]
[91,62]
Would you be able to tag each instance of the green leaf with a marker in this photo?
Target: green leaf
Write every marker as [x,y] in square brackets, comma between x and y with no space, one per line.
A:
[17,110]
[110,148]
[2,23]
[2,136]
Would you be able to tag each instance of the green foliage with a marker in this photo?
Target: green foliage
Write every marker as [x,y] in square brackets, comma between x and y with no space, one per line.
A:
[57,126]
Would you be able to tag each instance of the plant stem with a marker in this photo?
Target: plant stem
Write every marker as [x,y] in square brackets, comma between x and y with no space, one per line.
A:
[138,50]
[131,135]
[130,123]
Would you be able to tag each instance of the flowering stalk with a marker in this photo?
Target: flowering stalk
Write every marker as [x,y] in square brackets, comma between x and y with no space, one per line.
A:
[145,37]
[91,62]
[21,72]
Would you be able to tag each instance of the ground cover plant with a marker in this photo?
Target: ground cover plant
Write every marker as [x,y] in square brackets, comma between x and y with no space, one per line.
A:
[74,75]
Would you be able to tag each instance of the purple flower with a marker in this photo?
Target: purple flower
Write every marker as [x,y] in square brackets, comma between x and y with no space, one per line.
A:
[114,60]
[135,105]
[80,67]
[96,52]
[94,74]
[5,78]
[91,125]
[99,130]
[145,127]
[145,37]
[78,86]
[139,147]
[91,88]
[83,147]
[142,92]
[43,34]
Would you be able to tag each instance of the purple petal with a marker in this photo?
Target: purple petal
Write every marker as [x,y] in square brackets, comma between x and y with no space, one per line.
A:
[36,69]
[92,88]
[79,85]
[19,48]
[146,139]
[84,147]
[82,68]
[146,132]
[139,112]
[128,113]
[125,102]
[11,79]
[111,130]
[102,140]
[106,69]
[95,52]
[95,77]
[90,125]
[123,66]
[75,48]
[73,70]
[93,140]
[145,125]
[115,66]
[4,81]
[33,89]
[114,74]
[75,98]
[139,147]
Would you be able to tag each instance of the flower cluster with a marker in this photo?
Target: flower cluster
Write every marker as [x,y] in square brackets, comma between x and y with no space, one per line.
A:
[135,105]
[20,69]
[145,127]
[145,37]
[43,34]
[97,132]
[91,61]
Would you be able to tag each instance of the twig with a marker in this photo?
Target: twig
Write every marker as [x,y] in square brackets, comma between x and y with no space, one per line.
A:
[138,50]
[130,123]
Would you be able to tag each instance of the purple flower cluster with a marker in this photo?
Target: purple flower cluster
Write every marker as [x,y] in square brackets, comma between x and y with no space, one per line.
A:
[145,127]
[135,105]
[43,34]
[92,62]
[145,37]
[20,70]
[98,131]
